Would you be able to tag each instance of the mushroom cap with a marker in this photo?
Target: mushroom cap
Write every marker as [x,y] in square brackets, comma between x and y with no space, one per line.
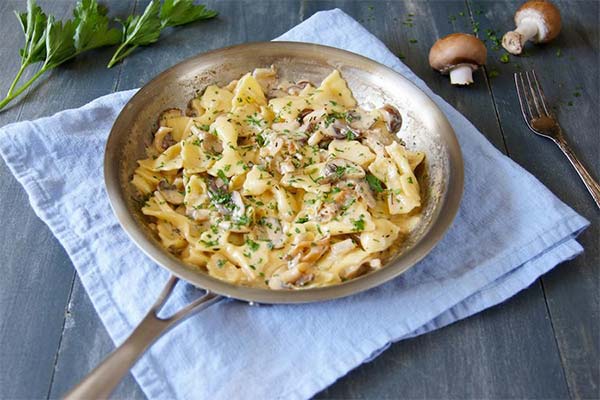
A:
[547,16]
[454,49]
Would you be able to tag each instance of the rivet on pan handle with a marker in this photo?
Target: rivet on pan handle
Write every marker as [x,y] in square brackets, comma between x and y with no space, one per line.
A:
[100,383]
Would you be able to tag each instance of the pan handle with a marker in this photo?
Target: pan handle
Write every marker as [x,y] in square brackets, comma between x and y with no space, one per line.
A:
[100,383]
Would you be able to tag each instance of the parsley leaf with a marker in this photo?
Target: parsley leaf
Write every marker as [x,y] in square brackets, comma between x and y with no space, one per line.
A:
[138,30]
[359,224]
[33,23]
[93,27]
[252,244]
[55,42]
[375,184]
[145,29]
[60,45]
[181,12]
[223,177]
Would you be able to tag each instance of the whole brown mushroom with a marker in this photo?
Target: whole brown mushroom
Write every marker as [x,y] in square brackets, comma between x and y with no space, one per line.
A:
[458,54]
[537,21]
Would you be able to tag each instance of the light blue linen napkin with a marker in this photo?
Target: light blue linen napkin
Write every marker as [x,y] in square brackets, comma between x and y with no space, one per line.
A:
[510,229]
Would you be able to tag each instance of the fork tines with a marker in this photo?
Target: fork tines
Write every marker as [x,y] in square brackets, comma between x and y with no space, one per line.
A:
[531,96]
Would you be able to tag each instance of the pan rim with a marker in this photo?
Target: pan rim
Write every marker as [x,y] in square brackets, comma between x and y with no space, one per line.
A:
[446,210]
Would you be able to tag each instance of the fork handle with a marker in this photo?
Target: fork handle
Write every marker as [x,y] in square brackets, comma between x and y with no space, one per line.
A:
[591,185]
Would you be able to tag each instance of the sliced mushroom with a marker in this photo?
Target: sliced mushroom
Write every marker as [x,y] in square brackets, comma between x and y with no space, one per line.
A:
[269,228]
[219,195]
[305,249]
[304,113]
[311,121]
[392,118]
[170,192]
[210,142]
[163,139]
[194,109]
[343,130]
[364,191]
[283,278]
[294,90]
[339,168]
[168,114]
[330,209]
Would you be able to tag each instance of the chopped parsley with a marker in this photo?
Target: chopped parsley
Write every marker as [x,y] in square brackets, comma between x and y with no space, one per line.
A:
[252,244]
[260,139]
[359,224]
[222,175]
[375,184]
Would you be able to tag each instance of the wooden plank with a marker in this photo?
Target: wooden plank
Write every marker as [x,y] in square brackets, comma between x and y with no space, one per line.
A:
[495,354]
[568,70]
[37,274]
[84,344]
[36,277]
[238,22]
[500,353]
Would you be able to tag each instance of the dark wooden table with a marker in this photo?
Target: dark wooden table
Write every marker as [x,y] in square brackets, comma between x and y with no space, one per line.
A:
[543,343]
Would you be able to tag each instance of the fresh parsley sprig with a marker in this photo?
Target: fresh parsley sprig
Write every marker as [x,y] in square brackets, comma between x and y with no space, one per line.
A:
[145,29]
[181,12]
[54,42]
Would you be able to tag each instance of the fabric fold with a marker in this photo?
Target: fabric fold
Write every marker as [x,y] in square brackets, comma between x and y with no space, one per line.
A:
[501,241]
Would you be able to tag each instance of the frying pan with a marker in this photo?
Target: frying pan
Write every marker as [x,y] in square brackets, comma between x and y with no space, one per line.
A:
[424,128]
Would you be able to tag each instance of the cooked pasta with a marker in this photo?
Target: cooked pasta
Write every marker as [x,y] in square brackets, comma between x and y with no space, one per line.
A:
[280,185]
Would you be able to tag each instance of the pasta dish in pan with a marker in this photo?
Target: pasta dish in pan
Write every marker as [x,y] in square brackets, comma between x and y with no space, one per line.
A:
[280,185]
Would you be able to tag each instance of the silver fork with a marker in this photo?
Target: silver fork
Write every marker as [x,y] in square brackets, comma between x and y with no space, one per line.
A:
[542,122]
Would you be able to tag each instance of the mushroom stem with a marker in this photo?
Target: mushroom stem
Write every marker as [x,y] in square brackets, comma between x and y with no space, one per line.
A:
[514,41]
[462,74]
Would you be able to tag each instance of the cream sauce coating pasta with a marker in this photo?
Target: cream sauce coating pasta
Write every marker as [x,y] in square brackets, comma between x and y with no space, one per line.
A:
[280,185]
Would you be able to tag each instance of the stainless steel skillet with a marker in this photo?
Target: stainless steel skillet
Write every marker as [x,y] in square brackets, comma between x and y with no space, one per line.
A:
[424,128]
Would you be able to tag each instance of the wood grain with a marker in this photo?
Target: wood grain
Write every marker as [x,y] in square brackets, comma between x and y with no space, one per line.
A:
[569,72]
[37,278]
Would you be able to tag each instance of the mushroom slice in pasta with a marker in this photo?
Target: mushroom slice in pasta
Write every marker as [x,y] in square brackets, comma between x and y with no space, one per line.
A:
[270,229]
[392,118]
[170,192]
[339,168]
[163,139]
